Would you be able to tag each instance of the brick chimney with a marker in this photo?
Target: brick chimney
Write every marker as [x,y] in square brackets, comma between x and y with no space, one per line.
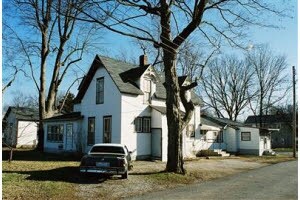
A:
[143,60]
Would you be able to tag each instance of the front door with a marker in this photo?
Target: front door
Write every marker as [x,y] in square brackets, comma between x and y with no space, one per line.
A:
[69,137]
[156,142]
[107,129]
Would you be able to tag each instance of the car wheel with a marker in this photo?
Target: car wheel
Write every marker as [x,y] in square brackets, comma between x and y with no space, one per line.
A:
[125,176]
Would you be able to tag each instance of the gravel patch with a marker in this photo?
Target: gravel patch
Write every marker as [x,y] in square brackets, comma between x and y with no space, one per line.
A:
[139,180]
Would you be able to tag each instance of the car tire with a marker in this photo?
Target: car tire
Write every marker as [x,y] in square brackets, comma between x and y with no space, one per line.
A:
[125,176]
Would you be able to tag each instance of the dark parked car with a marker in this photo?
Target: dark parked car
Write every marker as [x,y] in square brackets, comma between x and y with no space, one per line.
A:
[108,159]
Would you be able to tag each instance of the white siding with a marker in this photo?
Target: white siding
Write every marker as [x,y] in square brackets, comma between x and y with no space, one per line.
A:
[231,139]
[19,132]
[138,143]
[27,133]
[254,142]
[164,138]
[110,107]
[191,145]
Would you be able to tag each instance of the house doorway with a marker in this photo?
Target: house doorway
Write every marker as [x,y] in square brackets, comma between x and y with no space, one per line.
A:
[69,137]
[156,143]
[107,129]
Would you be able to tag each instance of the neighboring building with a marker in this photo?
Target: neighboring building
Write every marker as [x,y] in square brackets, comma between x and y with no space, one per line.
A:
[234,137]
[122,103]
[283,137]
[20,126]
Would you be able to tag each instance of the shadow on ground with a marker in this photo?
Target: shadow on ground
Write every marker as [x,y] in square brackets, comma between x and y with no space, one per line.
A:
[63,174]
[34,155]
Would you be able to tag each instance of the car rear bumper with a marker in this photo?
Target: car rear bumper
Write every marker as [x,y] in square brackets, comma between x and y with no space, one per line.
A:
[114,171]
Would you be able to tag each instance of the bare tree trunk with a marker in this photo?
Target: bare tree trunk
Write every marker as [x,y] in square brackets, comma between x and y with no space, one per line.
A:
[42,98]
[175,158]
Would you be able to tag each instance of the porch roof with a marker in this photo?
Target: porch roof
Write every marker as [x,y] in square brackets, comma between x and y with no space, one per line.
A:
[65,117]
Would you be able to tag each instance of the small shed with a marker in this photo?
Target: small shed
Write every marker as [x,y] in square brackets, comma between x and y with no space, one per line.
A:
[20,125]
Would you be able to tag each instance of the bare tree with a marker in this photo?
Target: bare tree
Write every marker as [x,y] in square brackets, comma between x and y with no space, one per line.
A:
[227,86]
[215,20]
[58,44]
[12,62]
[271,78]
[21,99]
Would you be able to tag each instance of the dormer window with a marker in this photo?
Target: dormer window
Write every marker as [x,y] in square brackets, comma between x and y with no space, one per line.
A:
[100,90]
[147,90]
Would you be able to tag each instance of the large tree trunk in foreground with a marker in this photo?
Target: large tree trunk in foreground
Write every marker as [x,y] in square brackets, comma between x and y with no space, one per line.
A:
[175,158]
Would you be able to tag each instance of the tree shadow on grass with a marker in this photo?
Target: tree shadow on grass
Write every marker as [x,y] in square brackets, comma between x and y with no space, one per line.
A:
[34,155]
[63,174]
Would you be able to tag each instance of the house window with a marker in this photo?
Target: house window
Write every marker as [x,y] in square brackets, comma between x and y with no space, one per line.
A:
[100,91]
[246,136]
[146,124]
[107,129]
[55,133]
[91,131]
[190,130]
[139,124]
[143,124]
[220,137]
[147,91]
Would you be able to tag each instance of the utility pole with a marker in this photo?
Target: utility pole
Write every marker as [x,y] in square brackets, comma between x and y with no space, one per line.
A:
[294,113]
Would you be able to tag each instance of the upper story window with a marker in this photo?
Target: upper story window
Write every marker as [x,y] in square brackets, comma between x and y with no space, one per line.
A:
[147,91]
[100,90]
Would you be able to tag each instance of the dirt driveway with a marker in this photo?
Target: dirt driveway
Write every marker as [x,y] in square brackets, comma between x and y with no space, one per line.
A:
[146,177]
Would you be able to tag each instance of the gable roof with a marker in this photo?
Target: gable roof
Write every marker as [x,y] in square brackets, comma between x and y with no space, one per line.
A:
[269,119]
[23,113]
[114,69]
[123,74]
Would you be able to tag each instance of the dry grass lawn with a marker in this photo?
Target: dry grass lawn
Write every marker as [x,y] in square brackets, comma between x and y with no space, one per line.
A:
[32,175]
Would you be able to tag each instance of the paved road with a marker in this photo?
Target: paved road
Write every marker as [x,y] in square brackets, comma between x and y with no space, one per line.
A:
[274,182]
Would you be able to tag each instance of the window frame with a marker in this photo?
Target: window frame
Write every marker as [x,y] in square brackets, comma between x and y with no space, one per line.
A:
[144,126]
[108,117]
[243,136]
[99,92]
[147,91]
[140,124]
[91,134]
[59,136]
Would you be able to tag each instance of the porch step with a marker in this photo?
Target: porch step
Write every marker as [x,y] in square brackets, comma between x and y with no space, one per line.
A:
[221,153]
[212,152]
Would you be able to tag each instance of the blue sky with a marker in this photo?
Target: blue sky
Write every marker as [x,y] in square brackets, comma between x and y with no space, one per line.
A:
[283,41]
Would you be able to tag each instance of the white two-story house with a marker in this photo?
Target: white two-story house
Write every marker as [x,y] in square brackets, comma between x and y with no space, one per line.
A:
[123,103]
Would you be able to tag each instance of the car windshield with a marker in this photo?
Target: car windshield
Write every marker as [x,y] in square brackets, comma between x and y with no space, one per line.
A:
[107,149]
